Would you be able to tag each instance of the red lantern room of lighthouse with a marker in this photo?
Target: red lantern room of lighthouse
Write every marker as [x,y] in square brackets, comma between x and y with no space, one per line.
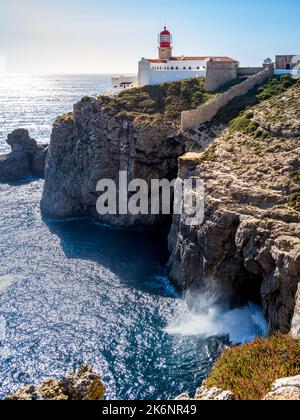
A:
[165,44]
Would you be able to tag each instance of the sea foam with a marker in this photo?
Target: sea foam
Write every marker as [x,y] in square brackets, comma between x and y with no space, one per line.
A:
[206,318]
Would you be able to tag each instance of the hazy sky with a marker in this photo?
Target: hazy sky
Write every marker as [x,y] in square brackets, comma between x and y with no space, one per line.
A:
[96,36]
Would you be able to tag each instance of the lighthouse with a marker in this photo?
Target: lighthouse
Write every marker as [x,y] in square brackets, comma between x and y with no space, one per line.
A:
[170,68]
[165,45]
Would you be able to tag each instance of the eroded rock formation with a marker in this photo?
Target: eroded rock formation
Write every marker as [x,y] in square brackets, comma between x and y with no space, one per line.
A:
[82,385]
[95,143]
[26,157]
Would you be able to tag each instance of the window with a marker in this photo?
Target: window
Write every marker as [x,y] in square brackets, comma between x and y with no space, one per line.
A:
[288,66]
[198,68]
[184,68]
[176,68]
[172,68]
[190,68]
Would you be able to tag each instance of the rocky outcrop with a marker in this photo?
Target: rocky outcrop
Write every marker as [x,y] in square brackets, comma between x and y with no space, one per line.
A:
[208,394]
[285,389]
[249,243]
[26,157]
[14,166]
[95,143]
[82,385]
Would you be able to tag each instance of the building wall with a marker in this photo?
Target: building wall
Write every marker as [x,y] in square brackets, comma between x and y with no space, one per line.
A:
[206,112]
[219,73]
[161,76]
[171,71]
[283,60]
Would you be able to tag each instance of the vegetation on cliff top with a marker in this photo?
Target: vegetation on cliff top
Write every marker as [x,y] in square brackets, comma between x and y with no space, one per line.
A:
[271,88]
[246,125]
[250,370]
[294,201]
[164,102]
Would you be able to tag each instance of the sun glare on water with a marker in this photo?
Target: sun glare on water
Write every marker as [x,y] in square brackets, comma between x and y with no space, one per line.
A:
[2,65]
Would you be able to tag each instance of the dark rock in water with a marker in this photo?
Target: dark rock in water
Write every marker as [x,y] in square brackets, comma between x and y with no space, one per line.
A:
[26,157]
[14,166]
[20,141]
[39,161]
[80,386]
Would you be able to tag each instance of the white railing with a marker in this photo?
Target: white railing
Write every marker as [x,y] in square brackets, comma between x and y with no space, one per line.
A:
[291,72]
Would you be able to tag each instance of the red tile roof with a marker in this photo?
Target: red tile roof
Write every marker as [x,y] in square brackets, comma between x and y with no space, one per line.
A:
[183,58]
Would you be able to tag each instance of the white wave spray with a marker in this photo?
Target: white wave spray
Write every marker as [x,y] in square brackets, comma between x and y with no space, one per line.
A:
[204,317]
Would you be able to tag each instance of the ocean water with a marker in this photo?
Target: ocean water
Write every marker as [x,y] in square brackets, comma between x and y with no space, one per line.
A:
[77,292]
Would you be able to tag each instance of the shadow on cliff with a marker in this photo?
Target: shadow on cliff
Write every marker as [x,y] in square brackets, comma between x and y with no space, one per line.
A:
[138,258]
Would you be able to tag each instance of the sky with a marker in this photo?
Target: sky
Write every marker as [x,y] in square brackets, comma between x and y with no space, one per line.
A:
[96,36]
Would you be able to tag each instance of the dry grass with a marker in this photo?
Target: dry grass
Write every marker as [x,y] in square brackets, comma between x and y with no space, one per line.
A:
[250,370]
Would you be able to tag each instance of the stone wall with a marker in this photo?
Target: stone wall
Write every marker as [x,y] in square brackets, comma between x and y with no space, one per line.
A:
[206,112]
[218,73]
[249,71]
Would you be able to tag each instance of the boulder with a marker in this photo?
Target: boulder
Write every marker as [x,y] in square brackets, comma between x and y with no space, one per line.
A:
[14,166]
[285,389]
[80,386]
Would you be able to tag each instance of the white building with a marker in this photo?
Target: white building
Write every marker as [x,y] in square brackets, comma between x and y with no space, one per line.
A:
[168,68]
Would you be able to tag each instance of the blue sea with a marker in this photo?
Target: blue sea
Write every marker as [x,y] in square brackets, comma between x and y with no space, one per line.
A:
[76,292]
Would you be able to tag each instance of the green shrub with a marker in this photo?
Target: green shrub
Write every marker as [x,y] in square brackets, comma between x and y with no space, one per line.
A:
[246,125]
[209,155]
[275,86]
[295,175]
[250,370]
[294,201]
[86,99]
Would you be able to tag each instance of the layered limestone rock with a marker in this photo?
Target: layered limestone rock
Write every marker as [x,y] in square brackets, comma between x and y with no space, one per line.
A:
[96,143]
[208,394]
[285,389]
[26,157]
[82,385]
[249,243]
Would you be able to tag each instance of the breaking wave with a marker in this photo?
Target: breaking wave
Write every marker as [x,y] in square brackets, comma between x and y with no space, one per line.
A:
[206,318]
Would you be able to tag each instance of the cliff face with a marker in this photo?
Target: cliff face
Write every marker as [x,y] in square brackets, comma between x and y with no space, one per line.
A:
[96,142]
[249,244]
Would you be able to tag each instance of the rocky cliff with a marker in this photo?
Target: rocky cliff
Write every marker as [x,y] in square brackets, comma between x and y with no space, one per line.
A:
[96,142]
[249,243]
